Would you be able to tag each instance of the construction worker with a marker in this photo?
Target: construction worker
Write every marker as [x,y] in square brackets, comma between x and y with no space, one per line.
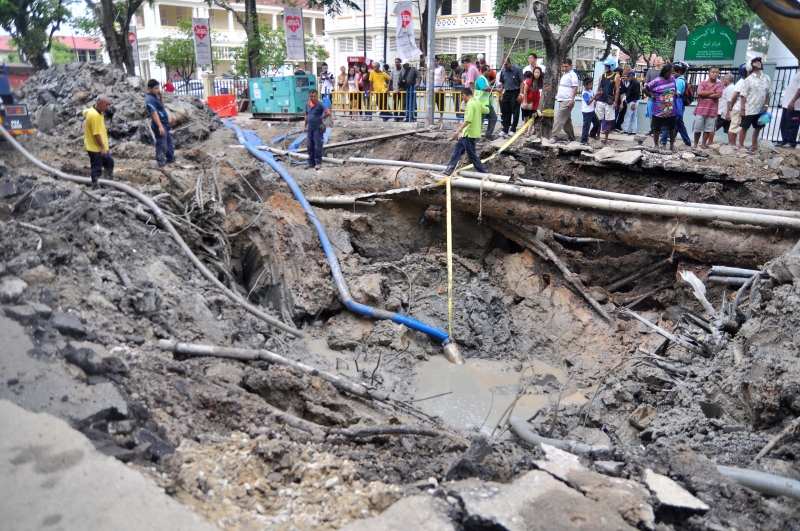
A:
[471,127]
[95,140]
[159,123]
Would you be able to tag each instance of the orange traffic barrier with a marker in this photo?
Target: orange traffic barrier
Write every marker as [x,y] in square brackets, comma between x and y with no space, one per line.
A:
[224,105]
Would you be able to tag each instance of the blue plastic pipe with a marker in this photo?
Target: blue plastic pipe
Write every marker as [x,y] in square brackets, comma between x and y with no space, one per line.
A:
[250,140]
[280,138]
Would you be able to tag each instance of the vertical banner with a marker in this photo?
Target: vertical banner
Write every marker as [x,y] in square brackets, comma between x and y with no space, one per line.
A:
[134,40]
[295,41]
[202,41]
[406,42]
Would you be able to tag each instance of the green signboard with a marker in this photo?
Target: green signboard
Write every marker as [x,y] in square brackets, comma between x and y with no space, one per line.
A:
[713,42]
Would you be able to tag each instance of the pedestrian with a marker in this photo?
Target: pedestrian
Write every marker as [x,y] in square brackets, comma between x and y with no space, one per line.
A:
[159,124]
[471,71]
[353,86]
[530,99]
[754,102]
[567,90]
[533,64]
[591,123]
[679,70]
[709,91]
[633,93]
[438,86]
[169,87]
[622,110]
[723,109]
[510,81]
[470,131]
[365,85]
[733,108]
[326,80]
[663,93]
[398,95]
[409,82]
[651,75]
[314,127]
[456,85]
[790,116]
[341,79]
[491,74]
[483,94]
[609,96]
[95,141]
[379,86]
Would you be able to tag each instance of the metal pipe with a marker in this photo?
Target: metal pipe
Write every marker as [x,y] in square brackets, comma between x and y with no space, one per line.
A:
[731,281]
[589,192]
[164,221]
[277,151]
[705,213]
[249,139]
[574,447]
[723,271]
[762,482]
[246,354]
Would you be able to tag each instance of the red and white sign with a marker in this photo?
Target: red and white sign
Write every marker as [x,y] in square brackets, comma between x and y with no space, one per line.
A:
[202,41]
[134,40]
[295,40]
[407,47]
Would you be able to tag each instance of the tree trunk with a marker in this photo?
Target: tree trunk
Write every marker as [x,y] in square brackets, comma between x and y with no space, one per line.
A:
[718,242]
[105,14]
[253,37]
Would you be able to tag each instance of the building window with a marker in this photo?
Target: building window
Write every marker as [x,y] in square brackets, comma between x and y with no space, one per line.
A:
[474,6]
[447,8]
[447,46]
[92,55]
[392,44]
[536,46]
[360,44]
[518,47]
[473,44]
[346,45]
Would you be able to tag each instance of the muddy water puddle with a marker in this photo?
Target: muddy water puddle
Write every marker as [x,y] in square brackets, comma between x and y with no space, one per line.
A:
[338,362]
[481,390]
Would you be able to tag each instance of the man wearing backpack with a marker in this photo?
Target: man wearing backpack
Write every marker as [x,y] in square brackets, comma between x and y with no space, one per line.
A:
[683,98]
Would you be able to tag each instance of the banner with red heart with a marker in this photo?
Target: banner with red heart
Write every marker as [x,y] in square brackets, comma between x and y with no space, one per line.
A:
[201,31]
[293,23]
[405,18]
[131,37]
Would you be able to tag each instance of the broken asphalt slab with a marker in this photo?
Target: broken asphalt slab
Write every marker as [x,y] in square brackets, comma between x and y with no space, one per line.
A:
[51,475]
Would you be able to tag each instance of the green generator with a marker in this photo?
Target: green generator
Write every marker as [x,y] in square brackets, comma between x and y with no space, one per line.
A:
[280,97]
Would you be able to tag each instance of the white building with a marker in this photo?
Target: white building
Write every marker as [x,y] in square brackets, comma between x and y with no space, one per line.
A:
[463,27]
[161,20]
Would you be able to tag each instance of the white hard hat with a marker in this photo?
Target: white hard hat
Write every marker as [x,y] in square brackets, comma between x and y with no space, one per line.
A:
[480,57]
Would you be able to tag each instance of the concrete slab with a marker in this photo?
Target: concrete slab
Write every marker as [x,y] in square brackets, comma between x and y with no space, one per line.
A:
[51,475]
[37,384]
[671,494]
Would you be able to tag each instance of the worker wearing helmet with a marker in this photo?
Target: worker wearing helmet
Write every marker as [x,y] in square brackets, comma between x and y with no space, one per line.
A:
[754,102]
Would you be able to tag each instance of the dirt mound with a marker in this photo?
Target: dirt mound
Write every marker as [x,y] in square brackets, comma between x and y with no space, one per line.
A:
[56,98]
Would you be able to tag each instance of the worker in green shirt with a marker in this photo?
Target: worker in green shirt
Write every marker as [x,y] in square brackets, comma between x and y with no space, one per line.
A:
[483,94]
[471,127]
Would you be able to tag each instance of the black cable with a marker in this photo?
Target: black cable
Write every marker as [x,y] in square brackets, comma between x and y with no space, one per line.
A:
[782,10]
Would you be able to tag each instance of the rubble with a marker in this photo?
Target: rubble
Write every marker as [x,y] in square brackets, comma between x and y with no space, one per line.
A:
[91,288]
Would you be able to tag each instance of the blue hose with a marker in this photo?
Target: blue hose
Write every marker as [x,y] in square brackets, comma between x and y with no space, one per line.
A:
[280,138]
[294,146]
[247,140]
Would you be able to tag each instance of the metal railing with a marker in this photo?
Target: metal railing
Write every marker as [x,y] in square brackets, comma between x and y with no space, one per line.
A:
[235,87]
[447,104]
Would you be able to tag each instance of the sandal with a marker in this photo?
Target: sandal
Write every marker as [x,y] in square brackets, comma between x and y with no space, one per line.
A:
[735,148]
[553,141]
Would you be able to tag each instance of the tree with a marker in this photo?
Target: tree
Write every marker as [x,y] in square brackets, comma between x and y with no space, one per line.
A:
[32,23]
[111,19]
[759,34]
[556,46]
[272,52]
[62,54]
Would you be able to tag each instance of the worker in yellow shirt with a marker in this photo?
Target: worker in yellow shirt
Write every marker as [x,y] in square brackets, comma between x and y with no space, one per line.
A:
[95,140]
[380,88]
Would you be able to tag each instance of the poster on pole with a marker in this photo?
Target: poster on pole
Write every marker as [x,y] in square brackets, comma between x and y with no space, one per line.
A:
[295,41]
[134,40]
[406,42]
[202,41]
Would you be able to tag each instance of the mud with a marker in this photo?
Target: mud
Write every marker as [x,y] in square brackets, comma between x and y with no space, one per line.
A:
[201,428]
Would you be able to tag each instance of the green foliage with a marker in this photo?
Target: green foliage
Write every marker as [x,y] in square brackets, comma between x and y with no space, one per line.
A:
[759,34]
[520,58]
[61,53]
[271,49]
[31,23]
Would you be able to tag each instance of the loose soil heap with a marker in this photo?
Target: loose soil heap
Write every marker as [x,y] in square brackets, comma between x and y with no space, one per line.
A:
[96,283]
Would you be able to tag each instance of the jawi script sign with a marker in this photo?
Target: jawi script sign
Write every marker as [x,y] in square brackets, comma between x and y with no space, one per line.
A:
[713,42]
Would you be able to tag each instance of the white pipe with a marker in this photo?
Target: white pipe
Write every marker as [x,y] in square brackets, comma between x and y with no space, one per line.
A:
[733,271]
[297,155]
[589,192]
[574,447]
[707,214]
[763,482]
[161,218]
